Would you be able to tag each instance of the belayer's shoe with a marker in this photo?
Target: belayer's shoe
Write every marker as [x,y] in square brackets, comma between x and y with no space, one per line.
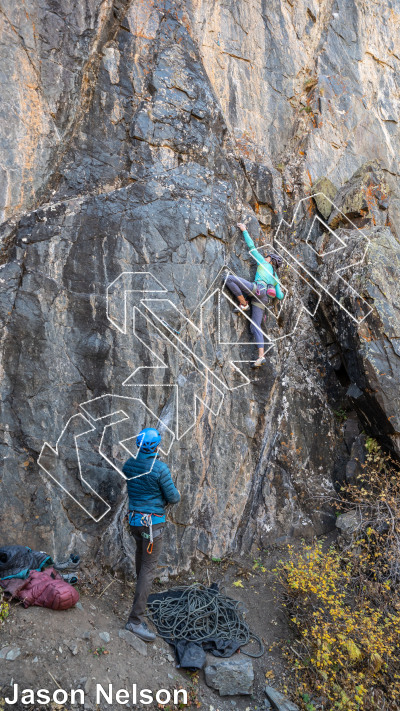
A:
[258,362]
[141,631]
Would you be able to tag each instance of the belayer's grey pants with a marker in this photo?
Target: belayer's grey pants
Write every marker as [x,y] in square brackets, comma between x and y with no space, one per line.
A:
[239,286]
[146,568]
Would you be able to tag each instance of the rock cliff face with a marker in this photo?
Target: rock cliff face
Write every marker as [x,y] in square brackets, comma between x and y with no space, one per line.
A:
[135,135]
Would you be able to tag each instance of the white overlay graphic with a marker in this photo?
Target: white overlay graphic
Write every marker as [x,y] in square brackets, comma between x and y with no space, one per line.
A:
[198,386]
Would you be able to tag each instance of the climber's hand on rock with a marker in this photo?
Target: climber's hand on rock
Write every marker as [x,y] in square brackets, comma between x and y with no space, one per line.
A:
[241,226]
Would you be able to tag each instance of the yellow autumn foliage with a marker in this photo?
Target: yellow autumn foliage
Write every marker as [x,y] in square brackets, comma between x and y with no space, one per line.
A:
[348,649]
[4,608]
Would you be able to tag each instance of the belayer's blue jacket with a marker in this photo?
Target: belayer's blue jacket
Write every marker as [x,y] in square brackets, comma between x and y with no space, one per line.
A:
[265,270]
[151,492]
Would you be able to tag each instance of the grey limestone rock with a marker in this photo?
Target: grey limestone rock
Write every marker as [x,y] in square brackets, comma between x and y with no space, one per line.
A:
[348,523]
[134,641]
[231,676]
[10,653]
[278,701]
[131,150]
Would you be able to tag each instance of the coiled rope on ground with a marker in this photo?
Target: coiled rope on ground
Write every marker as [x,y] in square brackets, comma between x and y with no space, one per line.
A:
[200,613]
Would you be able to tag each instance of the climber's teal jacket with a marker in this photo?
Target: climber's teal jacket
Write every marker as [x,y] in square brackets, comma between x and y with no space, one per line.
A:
[151,492]
[265,270]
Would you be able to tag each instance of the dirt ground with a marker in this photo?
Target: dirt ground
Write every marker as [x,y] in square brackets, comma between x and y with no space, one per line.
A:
[70,650]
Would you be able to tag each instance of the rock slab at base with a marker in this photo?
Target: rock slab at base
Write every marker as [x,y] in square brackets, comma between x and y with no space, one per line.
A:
[348,522]
[278,700]
[134,641]
[10,653]
[230,677]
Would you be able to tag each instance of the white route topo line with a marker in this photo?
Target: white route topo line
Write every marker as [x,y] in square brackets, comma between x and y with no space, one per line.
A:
[175,341]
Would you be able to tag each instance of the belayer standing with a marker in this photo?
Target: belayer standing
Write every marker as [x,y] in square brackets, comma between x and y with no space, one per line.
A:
[264,288]
[150,489]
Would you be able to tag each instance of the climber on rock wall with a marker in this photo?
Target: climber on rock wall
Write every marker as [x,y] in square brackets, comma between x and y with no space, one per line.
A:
[265,287]
[150,490]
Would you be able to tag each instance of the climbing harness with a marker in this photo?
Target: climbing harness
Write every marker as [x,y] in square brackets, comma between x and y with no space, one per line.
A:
[260,288]
[147,521]
[199,614]
[263,289]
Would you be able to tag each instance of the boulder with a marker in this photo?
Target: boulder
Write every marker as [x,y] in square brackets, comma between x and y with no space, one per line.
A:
[324,192]
[10,653]
[348,522]
[134,641]
[231,676]
[278,701]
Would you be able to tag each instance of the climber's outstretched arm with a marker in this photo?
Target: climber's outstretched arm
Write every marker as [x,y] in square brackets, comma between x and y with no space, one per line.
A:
[253,250]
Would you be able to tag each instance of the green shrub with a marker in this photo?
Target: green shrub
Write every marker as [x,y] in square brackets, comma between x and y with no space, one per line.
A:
[344,604]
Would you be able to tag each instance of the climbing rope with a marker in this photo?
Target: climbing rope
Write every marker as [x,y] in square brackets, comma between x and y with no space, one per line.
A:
[200,613]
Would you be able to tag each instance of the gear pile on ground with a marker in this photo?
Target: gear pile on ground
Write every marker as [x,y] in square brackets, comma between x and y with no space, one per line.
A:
[196,619]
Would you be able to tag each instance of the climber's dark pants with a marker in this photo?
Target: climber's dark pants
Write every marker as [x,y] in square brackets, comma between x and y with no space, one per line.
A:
[239,286]
[146,568]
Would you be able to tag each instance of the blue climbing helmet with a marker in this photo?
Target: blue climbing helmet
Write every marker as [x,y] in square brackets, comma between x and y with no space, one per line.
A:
[148,440]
